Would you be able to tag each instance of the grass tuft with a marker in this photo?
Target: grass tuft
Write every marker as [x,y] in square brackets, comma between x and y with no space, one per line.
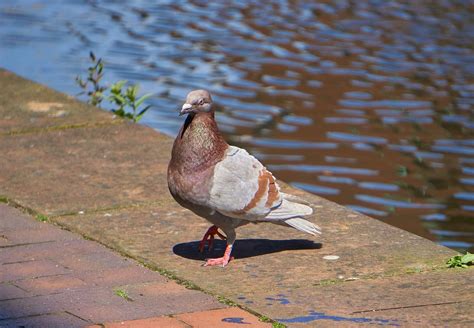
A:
[123,294]
[42,218]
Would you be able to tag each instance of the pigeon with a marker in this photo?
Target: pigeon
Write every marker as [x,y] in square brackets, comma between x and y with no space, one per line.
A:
[225,184]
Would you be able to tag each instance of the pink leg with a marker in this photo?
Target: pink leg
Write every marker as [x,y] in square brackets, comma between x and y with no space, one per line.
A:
[209,238]
[221,260]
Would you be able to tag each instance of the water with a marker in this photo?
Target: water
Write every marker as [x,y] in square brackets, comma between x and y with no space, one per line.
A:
[369,104]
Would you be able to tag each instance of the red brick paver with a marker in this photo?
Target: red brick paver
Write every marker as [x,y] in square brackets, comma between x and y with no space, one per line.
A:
[229,317]
[50,277]
[165,322]
[225,318]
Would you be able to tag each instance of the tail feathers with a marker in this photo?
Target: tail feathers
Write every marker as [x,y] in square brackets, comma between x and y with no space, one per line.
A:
[288,210]
[303,225]
[291,211]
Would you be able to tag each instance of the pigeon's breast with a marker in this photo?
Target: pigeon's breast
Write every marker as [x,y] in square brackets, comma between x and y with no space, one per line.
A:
[193,186]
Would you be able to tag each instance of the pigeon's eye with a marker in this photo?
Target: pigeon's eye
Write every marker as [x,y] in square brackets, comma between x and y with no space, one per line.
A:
[201,102]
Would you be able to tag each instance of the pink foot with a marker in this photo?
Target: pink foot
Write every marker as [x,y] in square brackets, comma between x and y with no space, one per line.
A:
[221,260]
[209,238]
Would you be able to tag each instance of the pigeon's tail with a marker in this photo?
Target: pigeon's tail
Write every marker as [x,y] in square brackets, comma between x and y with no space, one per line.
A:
[303,225]
[291,211]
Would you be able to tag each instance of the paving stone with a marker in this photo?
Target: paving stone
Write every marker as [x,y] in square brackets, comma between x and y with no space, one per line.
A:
[228,317]
[169,295]
[169,298]
[29,306]
[154,290]
[28,106]
[146,323]
[48,285]
[112,308]
[9,291]
[30,269]
[42,233]
[98,260]
[13,219]
[56,320]
[113,277]
[89,304]
[85,169]
[46,250]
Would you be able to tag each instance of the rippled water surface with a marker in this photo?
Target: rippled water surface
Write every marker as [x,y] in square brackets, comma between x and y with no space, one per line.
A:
[367,103]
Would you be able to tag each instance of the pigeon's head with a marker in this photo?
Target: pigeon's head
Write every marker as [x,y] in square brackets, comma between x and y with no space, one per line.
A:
[197,101]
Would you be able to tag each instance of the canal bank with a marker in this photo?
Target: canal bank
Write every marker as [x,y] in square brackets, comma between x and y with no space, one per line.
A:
[105,179]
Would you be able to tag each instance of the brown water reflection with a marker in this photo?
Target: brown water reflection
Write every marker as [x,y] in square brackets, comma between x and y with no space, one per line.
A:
[369,104]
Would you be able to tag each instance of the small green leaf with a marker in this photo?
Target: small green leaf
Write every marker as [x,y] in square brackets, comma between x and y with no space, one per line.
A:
[131,93]
[117,86]
[118,98]
[468,258]
[142,99]
[142,112]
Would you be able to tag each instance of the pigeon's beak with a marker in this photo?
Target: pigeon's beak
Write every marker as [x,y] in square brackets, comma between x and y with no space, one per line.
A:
[187,108]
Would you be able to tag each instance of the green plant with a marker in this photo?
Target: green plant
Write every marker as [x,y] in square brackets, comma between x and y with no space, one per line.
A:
[275,324]
[226,301]
[94,75]
[127,98]
[461,261]
[41,217]
[123,96]
[123,294]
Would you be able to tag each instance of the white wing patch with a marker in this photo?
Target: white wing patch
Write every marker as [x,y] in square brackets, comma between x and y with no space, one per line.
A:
[242,187]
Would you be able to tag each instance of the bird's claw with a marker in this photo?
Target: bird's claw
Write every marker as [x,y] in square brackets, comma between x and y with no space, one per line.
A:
[209,238]
[223,261]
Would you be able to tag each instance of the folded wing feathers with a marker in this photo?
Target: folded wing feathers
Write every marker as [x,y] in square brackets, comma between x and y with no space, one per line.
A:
[242,187]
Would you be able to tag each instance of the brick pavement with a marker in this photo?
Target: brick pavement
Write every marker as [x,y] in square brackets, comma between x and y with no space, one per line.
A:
[50,277]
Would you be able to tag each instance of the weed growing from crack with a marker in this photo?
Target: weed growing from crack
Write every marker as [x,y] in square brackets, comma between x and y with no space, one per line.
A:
[123,294]
[42,218]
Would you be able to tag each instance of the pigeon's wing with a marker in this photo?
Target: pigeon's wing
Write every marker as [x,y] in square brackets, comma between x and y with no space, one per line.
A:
[243,188]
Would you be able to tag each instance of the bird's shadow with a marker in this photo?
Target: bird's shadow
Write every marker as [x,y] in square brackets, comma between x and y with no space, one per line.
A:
[243,248]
